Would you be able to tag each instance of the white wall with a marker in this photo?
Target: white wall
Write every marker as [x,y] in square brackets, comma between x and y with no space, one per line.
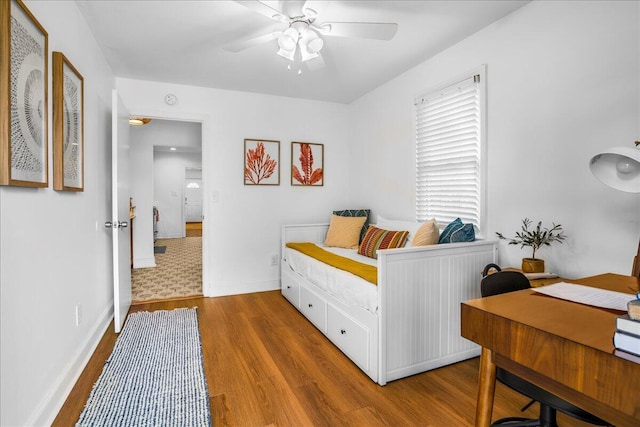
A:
[157,133]
[242,228]
[168,183]
[55,252]
[563,84]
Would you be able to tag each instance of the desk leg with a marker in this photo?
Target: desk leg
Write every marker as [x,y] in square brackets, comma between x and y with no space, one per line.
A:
[486,388]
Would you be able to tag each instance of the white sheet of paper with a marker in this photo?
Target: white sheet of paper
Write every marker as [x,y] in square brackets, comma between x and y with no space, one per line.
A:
[587,295]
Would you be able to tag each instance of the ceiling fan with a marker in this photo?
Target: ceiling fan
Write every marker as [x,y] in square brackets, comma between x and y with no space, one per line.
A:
[301,37]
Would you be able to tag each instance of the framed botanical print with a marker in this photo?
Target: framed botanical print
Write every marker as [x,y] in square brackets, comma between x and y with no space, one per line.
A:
[24,53]
[261,162]
[68,125]
[307,164]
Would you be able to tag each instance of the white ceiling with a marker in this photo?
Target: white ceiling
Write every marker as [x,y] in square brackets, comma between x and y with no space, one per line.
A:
[182,42]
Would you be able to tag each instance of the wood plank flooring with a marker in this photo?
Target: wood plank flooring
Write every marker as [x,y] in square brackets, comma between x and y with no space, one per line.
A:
[193,229]
[266,365]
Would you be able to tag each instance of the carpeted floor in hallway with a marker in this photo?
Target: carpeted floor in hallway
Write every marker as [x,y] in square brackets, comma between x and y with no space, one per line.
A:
[178,272]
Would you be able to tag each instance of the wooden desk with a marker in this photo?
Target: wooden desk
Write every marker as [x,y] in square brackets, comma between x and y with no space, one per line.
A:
[539,282]
[561,346]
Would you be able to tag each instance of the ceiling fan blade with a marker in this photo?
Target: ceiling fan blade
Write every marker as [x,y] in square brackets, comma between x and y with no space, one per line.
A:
[317,6]
[365,30]
[241,45]
[263,9]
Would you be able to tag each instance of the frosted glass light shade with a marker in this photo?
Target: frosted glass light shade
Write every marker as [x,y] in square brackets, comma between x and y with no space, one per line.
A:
[619,168]
[310,45]
[288,40]
[289,54]
[311,41]
[315,45]
[305,55]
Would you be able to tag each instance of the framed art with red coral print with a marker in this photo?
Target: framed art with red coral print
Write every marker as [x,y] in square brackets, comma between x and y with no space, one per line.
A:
[261,162]
[307,164]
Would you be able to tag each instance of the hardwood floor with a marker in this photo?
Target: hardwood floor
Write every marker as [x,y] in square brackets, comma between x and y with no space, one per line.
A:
[193,229]
[267,365]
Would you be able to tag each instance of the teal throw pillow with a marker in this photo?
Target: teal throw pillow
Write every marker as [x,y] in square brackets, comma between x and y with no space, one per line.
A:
[445,236]
[466,233]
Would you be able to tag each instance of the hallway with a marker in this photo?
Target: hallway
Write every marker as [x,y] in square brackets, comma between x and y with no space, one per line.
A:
[178,272]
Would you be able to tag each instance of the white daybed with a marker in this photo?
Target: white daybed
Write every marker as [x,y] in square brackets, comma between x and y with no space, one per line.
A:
[414,323]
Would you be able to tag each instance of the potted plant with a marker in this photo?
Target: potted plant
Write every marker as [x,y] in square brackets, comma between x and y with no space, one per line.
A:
[535,238]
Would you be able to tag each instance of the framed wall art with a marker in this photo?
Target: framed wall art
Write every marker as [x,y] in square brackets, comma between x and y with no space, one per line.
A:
[24,53]
[261,162]
[307,164]
[68,125]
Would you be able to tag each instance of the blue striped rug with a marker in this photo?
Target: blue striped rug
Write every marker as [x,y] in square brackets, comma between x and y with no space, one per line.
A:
[154,376]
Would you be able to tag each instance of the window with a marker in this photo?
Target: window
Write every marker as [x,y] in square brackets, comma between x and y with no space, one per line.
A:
[450,160]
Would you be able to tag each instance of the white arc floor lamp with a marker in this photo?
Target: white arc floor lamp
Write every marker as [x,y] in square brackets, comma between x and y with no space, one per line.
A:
[619,168]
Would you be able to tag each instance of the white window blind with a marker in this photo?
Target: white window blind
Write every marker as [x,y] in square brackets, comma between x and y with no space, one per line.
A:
[449,154]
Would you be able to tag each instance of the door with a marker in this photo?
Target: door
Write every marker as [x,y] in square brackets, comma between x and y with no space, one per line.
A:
[193,199]
[120,211]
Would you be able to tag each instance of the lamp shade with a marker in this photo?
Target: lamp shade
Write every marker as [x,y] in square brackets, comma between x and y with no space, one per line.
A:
[619,168]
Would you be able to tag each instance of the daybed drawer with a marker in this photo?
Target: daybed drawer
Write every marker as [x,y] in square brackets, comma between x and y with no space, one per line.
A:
[351,337]
[290,286]
[314,308]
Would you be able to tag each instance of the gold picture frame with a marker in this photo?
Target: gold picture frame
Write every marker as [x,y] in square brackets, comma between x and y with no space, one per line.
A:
[68,125]
[24,53]
[261,162]
[307,164]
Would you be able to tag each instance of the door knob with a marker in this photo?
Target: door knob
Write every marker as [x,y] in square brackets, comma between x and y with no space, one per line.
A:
[116,224]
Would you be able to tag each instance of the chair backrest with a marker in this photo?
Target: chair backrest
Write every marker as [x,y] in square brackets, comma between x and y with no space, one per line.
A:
[502,282]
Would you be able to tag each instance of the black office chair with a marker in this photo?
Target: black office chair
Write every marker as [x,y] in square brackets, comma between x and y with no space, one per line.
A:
[509,281]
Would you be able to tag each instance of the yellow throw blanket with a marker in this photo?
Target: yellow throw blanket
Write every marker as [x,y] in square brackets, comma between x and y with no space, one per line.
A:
[367,272]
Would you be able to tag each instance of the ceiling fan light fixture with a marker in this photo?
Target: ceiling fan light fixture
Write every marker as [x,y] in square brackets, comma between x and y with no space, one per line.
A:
[306,54]
[288,40]
[310,45]
[315,44]
[289,54]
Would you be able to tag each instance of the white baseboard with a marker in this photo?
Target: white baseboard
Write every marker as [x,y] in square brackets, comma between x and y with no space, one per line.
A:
[144,262]
[51,404]
[171,236]
[223,289]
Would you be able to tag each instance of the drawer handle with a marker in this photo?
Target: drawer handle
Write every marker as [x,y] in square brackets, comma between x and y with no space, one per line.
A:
[310,305]
[342,331]
[288,287]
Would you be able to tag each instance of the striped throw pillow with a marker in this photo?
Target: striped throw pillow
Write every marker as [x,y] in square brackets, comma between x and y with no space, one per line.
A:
[377,238]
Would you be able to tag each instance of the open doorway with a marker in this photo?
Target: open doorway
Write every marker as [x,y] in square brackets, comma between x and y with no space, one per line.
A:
[169,262]
[193,201]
